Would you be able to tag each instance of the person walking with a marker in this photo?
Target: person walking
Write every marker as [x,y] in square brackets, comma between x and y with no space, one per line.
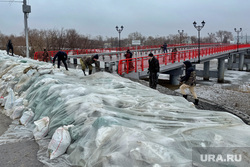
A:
[45,55]
[87,62]
[10,47]
[189,81]
[173,54]
[61,56]
[164,47]
[153,69]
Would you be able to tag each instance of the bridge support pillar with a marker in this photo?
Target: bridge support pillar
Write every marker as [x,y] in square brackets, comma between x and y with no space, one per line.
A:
[234,57]
[241,61]
[221,69]
[230,62]
[206,71]
[174,79]
[175,76]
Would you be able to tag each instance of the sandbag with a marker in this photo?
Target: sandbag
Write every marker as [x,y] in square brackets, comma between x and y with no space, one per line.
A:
[18,112]
[10,100]
[60,141]
[41,129]
[26,117]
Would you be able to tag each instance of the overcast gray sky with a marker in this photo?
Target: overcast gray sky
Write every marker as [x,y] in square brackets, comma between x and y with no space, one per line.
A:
[149,17]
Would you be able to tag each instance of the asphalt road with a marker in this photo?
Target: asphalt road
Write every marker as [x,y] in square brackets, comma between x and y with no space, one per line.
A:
[19,154]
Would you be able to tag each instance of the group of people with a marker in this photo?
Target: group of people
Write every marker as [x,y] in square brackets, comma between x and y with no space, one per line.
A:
[164,48]
[188,81]
[86,62]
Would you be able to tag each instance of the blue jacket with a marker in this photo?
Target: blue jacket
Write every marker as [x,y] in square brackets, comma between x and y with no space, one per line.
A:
[61,56]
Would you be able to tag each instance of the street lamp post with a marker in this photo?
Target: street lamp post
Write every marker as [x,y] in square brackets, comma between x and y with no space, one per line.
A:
[238,31]
[199,29]
[181,34]
[26,11]
[119,31]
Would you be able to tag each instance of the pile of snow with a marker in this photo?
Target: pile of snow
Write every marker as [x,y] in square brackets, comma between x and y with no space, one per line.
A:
[115,122]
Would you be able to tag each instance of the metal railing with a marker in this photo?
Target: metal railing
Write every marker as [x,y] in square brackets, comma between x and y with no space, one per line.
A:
[141,63]
[114,51]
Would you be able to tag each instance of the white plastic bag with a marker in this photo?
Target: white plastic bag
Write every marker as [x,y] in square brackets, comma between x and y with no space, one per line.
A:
[60,141]
[26,117]
[17,113]
[42,128]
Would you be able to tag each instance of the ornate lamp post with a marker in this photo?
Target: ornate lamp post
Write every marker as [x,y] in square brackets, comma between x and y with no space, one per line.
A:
[211,37]
[119,31]
[199,29]
[181,34]
[238,31]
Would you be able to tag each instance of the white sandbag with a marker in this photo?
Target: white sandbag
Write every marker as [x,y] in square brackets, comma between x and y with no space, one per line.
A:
[26,117]
[44,71]
[18,112]
[60,141]
[10,100]
[31,72]
[25,102]
[41,129]
[18,102]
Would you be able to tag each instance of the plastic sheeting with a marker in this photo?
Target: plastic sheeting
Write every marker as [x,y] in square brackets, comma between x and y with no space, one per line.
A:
[117,122]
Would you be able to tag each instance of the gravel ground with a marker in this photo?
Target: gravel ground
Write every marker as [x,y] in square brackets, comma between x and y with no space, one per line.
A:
[213,97]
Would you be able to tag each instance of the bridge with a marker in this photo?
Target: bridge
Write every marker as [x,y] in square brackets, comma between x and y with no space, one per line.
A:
[112,59]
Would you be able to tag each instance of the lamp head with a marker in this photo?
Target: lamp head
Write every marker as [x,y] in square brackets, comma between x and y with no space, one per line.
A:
[240,29]
[194,23]
[121,27]
[203,23]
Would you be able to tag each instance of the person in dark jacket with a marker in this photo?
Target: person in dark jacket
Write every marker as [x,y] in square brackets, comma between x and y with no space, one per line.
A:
[61,56]
[129,55]
[189,81]
[87,62]
[153,69]
[164,47]
[10,47]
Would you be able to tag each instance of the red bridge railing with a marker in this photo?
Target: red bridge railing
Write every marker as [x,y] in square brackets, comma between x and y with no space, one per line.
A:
[141,63]
[39,55]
